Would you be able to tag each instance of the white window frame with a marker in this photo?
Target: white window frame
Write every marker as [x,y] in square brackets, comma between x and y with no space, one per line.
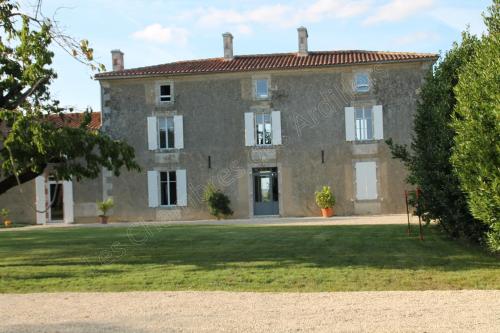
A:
[160,96]
[269,114]
[158,129]
[359,129]
[364,87]
[168,182]
[256,88]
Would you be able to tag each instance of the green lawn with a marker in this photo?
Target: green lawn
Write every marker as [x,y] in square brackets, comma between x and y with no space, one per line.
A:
[243,258]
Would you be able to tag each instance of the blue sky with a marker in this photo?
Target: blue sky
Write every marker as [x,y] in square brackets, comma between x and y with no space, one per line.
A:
[158,31]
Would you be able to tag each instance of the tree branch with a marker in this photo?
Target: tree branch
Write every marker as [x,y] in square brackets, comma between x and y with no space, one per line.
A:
[11,181]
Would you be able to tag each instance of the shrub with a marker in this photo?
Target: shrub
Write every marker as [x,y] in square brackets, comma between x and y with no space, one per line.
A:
[218,203]
[428,157]
[476,155]
[105,206]
[325,198]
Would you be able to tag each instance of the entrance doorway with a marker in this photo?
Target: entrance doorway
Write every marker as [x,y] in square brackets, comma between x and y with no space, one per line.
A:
[56,195]
[265,181]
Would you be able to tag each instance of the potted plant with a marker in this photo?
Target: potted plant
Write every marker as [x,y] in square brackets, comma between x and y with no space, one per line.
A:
[4,212]
[325,200]
[104,207]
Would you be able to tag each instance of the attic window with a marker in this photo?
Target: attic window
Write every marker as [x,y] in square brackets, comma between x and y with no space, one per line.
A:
[165,93]
[261,88]
[362,82]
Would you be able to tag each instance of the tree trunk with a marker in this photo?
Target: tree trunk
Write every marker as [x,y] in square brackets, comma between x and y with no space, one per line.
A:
[11,181]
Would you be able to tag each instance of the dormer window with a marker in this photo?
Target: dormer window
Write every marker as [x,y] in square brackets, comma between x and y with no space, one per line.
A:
[362,82]
[165,93]
[262,88]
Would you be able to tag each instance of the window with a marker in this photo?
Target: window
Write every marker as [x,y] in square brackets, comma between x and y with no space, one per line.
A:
[263,129]
[165,93]
[261,88]
[168,188]
[166,132]
[363,123]
[362,82]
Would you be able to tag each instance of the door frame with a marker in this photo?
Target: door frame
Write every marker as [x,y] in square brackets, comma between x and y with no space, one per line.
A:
[42,189]
[250,168]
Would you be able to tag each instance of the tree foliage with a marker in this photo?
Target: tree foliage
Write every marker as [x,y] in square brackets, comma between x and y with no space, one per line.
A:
[476,155]
[428,157]
[29,142]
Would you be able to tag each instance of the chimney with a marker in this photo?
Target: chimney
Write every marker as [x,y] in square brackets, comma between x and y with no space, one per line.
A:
[117,60]
[302,41]
[228,45]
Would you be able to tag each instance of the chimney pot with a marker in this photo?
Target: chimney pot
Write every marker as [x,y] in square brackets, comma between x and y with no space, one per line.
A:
[302,33]
[117,60]
[228,45]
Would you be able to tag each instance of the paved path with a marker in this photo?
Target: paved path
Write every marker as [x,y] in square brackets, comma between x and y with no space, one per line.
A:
[271,221]
[414,311]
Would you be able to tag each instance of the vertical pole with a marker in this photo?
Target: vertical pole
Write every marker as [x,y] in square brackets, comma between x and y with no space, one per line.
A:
[407,211]
[419,219]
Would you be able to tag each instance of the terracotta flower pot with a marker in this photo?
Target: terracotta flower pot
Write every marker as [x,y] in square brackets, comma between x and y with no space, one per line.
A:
[103,219]
[7,223]
[327,212]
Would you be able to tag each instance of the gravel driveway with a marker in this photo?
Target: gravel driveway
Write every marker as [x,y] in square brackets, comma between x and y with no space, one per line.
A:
[414,311]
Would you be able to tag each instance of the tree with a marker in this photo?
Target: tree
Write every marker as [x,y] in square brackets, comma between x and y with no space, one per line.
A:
[29,141]
[428,157]
[476,156]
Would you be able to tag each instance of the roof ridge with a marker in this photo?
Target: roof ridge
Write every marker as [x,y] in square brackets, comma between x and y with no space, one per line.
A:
[247,62]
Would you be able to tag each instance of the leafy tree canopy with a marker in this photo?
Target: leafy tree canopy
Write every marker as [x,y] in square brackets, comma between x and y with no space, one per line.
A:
[29,142]
[476,121]
[428,157]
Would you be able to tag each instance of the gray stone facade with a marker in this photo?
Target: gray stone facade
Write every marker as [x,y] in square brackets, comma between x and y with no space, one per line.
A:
[314,150]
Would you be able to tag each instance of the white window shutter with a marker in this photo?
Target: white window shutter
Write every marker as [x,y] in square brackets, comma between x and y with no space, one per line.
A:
[249,129]
[41,215]
[366,180]
[276,127]
[178,132]
[349,124]
[378,122]
[152,133]
[181,188]
[153,188]
[68,211]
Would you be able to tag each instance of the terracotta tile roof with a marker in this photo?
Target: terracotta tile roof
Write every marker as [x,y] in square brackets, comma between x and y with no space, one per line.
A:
[75,119]
[275,61]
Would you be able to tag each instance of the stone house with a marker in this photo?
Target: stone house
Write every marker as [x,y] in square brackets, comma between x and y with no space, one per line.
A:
[268,130]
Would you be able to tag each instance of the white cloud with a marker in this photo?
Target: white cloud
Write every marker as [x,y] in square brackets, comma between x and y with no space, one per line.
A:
[156,33]
[213,17]
[280,15]
[397,10]
[417,37]
[322,9]
[244,29]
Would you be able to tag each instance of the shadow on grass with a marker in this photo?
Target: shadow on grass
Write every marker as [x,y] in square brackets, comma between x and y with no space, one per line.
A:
[259,247]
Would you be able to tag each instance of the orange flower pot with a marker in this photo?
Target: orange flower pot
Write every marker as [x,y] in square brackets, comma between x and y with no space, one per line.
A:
[327,212]
[7,223]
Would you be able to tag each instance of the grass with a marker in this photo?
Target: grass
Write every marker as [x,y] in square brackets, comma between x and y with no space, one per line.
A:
[240,258]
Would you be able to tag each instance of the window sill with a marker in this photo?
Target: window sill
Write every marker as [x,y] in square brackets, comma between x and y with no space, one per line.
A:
[167,150]
[363,142]
[264,146]
[169,207]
